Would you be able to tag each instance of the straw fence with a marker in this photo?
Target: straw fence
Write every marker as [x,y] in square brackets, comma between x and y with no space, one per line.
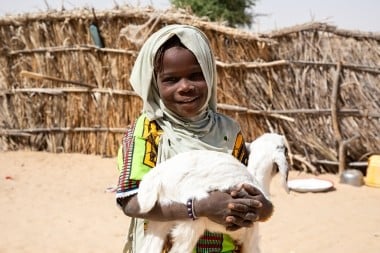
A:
[62,90]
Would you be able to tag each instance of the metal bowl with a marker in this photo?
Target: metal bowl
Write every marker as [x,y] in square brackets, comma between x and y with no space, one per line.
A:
[352,177]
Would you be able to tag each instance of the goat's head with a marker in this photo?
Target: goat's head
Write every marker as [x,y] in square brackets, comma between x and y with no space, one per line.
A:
[267,154]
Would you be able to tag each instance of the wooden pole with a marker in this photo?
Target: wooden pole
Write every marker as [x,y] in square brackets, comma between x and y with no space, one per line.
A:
[334,104]
[335,120]
[52,78]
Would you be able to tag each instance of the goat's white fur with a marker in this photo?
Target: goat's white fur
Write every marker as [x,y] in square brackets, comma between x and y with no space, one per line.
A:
[194,174]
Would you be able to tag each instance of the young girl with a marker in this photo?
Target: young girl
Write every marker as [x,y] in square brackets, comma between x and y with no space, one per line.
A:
[175,75]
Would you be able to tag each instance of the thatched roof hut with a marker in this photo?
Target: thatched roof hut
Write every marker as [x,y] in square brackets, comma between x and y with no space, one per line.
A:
[316,84]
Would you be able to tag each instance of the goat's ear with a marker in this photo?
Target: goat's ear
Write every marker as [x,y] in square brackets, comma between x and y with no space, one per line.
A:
[248,147]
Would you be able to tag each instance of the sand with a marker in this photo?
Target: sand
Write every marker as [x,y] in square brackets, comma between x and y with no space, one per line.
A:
[61,203]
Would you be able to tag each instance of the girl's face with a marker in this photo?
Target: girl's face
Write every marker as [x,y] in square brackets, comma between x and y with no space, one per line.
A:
[181,84]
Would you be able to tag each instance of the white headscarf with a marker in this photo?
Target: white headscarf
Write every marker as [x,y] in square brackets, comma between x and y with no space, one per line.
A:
[208,130]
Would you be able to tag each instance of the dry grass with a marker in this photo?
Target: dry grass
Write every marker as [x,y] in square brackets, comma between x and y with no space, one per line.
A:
[315,83]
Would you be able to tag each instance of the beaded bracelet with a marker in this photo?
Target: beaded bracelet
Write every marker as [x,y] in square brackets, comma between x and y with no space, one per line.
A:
[190,209]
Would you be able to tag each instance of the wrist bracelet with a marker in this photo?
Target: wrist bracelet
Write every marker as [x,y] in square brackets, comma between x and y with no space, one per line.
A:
[190,209]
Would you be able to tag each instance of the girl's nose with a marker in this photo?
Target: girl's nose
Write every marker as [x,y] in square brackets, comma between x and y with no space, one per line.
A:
[186,85]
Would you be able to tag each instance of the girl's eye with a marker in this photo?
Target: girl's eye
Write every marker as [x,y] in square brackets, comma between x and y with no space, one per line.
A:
[198,76]
[170,80]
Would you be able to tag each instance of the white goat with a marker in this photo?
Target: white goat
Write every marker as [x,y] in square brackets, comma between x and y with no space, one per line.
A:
[194,174]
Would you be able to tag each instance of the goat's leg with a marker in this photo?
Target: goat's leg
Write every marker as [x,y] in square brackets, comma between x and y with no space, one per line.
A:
[185,236]
[251,240]
[155,236]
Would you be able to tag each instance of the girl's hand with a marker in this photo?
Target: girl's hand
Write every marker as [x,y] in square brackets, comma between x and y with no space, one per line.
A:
[252,202]
[234,209]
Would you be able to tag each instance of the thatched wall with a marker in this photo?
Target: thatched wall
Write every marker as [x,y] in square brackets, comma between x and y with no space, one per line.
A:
[316,84]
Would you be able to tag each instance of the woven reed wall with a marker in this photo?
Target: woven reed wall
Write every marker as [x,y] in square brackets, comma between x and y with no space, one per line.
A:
[314,83]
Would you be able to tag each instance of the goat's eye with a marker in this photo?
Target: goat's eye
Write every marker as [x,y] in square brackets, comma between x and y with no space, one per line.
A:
[275,169]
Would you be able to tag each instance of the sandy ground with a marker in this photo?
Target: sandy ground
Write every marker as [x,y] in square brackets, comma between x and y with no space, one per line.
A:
[60,203]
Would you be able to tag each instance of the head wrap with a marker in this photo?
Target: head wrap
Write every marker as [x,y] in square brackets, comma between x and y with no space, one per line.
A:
[208,130]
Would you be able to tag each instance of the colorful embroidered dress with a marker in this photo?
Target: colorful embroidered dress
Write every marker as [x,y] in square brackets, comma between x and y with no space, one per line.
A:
[138,154]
